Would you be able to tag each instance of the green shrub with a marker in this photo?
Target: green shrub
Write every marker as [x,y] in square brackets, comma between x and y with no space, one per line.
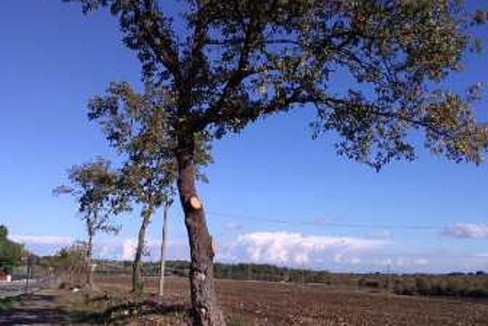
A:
[235,320]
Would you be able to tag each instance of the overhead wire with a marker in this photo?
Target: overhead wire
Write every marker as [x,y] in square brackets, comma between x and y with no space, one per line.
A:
[318,223]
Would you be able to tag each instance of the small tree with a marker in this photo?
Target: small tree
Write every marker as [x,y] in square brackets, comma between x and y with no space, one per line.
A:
[148,173]
[238,61]
[70,263]
[95,187]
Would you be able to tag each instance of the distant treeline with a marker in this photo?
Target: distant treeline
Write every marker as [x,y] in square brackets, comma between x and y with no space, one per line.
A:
[473,285]
[256,272]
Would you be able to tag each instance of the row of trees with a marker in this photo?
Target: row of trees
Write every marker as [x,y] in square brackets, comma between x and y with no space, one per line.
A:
[238,61]
[240,271]
[101,192]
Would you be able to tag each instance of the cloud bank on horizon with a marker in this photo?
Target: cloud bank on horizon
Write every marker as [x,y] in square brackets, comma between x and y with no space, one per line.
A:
[295,249]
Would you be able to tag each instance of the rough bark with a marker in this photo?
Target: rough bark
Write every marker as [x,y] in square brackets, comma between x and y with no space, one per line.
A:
[137,284]
[164,242]
[204,302]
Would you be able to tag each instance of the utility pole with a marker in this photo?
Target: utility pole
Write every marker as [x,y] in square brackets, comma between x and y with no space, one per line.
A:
[388,280]
[163,248]
[27,280]
[29,267]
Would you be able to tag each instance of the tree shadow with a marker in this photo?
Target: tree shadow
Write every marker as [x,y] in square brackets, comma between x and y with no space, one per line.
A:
[33,312]
[30,316]
[18,316]
[120,313]
[38,298]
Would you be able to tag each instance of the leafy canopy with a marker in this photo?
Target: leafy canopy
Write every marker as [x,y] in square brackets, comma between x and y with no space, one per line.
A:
[237,61]
[94,185]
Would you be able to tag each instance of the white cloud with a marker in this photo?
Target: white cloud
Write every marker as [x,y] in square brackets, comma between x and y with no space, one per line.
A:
[43,245]
[402,262]
[298,249]
[283,248]
[467,231]
[342,258]
[125,249]
[129,249]
[481,255]
[106,248]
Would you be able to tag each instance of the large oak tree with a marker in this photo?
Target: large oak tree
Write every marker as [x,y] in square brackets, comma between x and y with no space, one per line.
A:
[236,61]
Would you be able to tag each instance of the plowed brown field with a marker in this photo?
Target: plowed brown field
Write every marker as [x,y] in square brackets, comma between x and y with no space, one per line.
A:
[262,303]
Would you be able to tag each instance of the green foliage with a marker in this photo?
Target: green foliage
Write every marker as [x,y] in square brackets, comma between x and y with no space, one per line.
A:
[243,271]
[9,302]
[95,188]
[139,127]
[11,253]
[454,284]
[235,320]
[3,232]
[424,286]
[139,130]
[372,282]
[460,285]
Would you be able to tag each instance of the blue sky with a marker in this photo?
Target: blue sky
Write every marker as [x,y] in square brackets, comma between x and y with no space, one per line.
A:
[53,59]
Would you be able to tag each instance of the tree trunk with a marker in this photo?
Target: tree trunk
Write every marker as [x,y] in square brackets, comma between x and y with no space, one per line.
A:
[89,250]
[137,284]
[204,302]
[164,245]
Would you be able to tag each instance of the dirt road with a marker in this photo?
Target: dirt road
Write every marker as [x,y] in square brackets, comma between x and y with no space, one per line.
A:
[46,307]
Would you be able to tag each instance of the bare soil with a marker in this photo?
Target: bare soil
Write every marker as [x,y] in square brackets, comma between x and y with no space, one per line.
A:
[263,303]
[246,303]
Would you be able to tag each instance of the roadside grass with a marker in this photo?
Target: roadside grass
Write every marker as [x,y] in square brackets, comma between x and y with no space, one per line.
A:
[235,320]
[9,302]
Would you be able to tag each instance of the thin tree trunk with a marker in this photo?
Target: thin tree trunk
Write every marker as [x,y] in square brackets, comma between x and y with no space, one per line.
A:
[88,267]
[164,244]
[137,283]
[204,302]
